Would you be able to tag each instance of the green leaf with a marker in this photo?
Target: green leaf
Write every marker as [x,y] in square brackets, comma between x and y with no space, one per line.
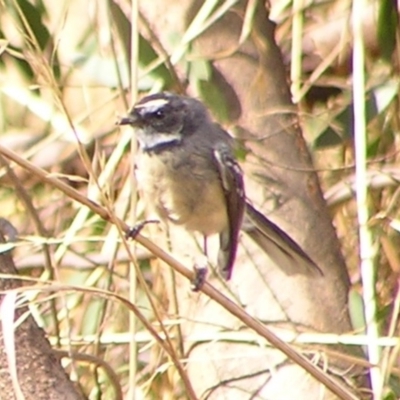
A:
[201,76]
[371,108]
[387,24]
[33,16]
[214,99]
[240,151]
[356,310]
[345,124]
[390,396]
[328,138]
[393,391]
[200,70]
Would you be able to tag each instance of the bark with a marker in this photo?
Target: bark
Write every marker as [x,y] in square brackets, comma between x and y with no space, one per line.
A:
[280,178]
[40,374]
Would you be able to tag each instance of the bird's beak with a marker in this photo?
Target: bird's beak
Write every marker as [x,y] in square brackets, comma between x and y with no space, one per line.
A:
[131,119]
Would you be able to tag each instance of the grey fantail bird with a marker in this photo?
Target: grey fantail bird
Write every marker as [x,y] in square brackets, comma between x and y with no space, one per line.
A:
[188,173]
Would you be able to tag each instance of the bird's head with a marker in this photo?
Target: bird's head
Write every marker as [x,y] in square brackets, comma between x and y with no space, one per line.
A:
[164,119]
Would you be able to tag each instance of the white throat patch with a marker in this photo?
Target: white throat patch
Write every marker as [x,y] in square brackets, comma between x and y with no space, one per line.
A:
[157,139]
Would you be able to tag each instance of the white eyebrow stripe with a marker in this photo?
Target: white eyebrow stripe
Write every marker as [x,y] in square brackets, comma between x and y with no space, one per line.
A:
[153,105]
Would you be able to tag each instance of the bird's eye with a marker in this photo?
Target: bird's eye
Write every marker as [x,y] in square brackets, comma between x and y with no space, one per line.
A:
[159,114]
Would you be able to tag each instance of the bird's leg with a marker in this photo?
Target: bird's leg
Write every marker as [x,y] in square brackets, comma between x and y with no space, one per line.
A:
[200,269]
[133,231]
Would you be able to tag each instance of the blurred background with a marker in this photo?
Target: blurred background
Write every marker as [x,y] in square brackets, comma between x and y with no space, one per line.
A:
[66,71]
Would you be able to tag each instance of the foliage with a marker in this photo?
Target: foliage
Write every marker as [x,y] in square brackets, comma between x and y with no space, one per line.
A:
[65,70]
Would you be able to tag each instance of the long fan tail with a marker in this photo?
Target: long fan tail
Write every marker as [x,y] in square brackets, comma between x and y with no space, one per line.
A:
[277,244]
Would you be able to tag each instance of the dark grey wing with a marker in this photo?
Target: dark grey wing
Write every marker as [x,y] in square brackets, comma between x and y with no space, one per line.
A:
[231,177]
[279,246]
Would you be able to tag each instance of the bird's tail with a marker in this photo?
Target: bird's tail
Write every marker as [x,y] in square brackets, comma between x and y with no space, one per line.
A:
[277,244]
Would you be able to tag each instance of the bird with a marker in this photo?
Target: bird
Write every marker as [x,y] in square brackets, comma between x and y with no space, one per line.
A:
[188,174]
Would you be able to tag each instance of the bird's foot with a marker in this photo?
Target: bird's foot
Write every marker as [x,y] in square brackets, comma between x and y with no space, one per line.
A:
[200,274]
[133,231]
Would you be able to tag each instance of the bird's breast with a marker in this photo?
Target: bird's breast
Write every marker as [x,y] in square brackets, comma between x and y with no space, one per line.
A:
[187,193]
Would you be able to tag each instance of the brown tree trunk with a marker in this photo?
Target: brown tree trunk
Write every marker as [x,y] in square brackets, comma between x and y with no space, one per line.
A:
[40,374]
[280,177]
